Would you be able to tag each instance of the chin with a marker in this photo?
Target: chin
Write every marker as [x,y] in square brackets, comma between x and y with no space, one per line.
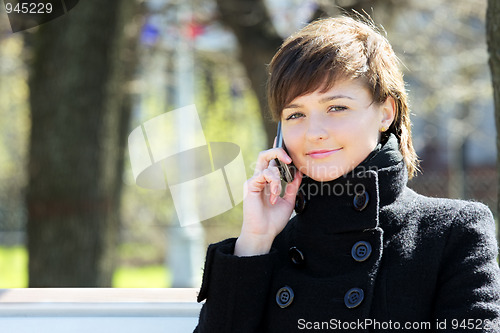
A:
[322,176]
[326,173]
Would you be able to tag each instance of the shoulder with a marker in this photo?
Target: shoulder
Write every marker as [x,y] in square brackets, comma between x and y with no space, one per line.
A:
[440,216]
[414,206]
[458,213]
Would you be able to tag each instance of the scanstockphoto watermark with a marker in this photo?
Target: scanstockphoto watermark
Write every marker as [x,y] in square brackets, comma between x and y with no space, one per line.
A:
[363,324]
[170,152]
[310,190]
[330,172]
[373,324]
[350,183]
[332,189]
[336,172]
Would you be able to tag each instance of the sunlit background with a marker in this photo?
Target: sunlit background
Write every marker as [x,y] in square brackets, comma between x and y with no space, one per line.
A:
[441,43]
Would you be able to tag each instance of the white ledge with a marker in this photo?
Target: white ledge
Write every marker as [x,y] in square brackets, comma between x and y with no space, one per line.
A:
[98,310]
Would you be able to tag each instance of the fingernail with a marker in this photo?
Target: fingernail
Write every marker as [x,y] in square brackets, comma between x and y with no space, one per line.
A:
[276,190]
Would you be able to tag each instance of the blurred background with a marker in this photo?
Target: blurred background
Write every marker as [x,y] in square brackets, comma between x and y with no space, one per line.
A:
[71,90]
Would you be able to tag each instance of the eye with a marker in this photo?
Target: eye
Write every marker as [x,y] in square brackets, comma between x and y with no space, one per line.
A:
[295,115]
[337,108]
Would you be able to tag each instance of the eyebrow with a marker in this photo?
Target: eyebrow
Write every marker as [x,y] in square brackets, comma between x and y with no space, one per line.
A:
[322,101]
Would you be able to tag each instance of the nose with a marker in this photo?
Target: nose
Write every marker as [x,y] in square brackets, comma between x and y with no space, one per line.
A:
[316,129]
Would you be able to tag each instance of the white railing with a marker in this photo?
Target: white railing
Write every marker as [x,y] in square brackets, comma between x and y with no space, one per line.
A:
[98,310]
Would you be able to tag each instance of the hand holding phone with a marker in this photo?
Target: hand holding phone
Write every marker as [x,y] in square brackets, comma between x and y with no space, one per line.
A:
[266,207]
[287,171]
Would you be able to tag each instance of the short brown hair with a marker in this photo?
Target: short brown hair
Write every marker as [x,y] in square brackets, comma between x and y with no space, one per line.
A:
[342,48]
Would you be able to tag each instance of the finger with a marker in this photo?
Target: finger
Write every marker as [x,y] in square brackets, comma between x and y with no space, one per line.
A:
[274,144]
[293,187]
[272,176]
[266,156]
[256,184]
[276,186]
[269,176]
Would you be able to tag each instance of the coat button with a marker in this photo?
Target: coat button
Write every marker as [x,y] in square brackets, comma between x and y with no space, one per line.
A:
[300,203]
[284,297]
[296,256]
[361,251]
[353,297]
[361,201]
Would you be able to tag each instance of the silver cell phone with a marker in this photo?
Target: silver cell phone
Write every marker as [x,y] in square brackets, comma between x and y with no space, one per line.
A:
[287,171]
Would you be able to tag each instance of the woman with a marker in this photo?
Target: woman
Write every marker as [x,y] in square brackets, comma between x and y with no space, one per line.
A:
[363,252]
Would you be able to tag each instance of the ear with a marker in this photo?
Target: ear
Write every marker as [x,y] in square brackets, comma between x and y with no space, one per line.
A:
[388,112]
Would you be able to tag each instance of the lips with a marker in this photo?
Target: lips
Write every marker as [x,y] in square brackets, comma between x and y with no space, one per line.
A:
[322,153]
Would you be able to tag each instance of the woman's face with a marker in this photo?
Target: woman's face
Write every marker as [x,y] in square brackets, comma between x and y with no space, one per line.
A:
[327,134]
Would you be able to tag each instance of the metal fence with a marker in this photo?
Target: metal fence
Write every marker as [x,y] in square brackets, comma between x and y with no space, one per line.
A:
[479,184]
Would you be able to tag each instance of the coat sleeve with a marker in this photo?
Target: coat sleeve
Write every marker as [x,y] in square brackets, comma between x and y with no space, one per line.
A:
[468,293]
[235,289]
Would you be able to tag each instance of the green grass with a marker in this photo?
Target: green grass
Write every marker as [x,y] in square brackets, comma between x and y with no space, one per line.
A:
[14,272]
[13,267]
[142,277]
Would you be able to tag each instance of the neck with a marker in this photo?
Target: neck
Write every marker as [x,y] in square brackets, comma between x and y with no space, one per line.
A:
[361,193]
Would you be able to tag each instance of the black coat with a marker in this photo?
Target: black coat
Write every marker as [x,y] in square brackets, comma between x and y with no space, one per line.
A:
[366,254]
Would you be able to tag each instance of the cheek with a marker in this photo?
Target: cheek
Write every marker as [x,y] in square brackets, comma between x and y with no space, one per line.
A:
[349,130]
[368,126]
[358,134]
[293,141]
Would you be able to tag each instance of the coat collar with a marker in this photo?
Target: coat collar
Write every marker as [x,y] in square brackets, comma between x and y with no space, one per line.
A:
[352,202]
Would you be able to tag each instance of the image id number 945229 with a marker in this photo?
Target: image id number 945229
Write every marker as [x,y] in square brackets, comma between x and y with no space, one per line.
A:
[474,324]
[28,8]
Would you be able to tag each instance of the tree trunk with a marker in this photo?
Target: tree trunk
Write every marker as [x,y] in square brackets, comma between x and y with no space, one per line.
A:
[78,134]
[493,40]
[258,40]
